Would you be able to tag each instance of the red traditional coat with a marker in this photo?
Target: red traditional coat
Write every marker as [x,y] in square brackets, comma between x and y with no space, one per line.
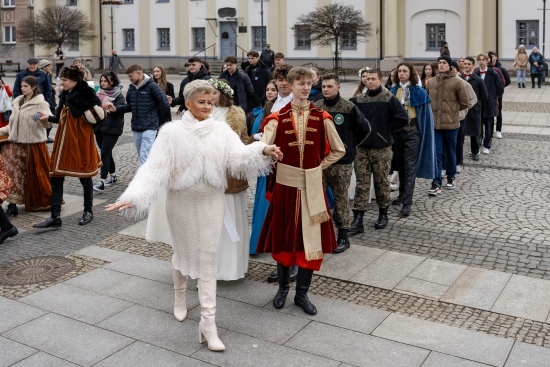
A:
[282,229]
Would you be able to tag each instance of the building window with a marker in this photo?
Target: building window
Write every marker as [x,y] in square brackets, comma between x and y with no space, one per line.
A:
[435,36]
[164,38]
[302,37]
[128,1]
[9,34]
[74,43]
[31,3]
[258,37]
[527,33]
[199,38]
[129,43]
[348,40]
[72,2]
[8,3]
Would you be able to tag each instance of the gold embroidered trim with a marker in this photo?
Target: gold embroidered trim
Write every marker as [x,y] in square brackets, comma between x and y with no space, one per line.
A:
[314,118]
[293,144]
[313,130]
[286,120]
[290,132]
[309,142]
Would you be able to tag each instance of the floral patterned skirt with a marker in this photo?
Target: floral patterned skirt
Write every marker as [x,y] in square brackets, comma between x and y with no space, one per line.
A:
[5,181]
[27,166]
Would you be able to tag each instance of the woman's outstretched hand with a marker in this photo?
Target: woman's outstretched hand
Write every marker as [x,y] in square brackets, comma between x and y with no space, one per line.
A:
[274,152]
[121,205]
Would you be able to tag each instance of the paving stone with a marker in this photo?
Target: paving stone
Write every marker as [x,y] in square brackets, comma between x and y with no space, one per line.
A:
[263,323]
[76,303]
[42,359]
[68,339]
[338,313]
[526,355]
[157,328]
[12,352]
[350,262]
[421,287]
[73,204]
[477,287]
[444,360]
[103,253]
[525,297]
[141,354]
[439,272]
[136,230]
[388,270]
[355,348]
[144,267]
[247,291]
[14,313]
[246,351]
[461,343]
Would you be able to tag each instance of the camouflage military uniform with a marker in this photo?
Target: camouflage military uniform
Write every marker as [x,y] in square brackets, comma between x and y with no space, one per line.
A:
[376,161]
[338,177]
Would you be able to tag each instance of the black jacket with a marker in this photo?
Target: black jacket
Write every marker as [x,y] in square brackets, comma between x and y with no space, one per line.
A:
[243,91]
[201,75]
[316,93]
[494,89]
[472,120]
[44,84]
[504,73]
[114,122]
[259,77]
[349,122]
[167,114]
[385,114]
[267,58]
[146,104]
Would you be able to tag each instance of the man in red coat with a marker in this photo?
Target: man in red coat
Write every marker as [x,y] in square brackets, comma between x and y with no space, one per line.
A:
[297,229]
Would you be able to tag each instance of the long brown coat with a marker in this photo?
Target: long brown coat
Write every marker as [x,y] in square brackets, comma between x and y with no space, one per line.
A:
[236,119]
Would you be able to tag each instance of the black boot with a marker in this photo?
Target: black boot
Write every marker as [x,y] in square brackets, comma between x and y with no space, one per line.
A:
[86,218]
[302,286]
[274,278]
[283,273]
[343,241]
[406,210]
[519,85]
[7,234]
[12,210]
[382,221]
[357,223]
[50,222]
[523,85]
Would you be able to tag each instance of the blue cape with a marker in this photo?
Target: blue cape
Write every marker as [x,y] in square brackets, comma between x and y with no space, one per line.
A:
[426,165]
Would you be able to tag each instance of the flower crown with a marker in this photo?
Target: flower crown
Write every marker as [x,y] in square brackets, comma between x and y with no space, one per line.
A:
[361,71]
[221,86]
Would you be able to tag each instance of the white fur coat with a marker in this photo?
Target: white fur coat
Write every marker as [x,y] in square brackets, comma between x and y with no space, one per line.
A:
[187,152]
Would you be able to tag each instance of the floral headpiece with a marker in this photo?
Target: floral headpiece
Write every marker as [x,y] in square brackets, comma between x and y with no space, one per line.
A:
[221,86]
[361,71]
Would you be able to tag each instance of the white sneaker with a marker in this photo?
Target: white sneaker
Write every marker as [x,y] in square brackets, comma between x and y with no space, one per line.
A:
[458,168]
[394,187]
[485,151]
[498,135]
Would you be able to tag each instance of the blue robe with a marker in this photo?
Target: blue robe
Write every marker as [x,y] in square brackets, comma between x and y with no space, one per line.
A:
[420,100]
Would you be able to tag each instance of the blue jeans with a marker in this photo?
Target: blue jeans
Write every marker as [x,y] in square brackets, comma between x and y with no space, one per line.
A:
[144,141]
[445,140]
[521,74]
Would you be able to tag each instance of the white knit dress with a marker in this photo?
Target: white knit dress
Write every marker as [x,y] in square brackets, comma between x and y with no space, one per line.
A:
[188,164]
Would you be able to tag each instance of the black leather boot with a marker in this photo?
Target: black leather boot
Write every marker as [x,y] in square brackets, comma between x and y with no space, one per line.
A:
[293,273]
[343,241]
[86,218]
[357,223]
[283,273]
[50,222]
[12,210]
[382,221]
[274,278]
[523,85]
[302,286]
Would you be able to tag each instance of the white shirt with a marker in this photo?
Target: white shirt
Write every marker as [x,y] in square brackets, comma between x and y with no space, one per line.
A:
[483,75]
[404,87]
[281,102]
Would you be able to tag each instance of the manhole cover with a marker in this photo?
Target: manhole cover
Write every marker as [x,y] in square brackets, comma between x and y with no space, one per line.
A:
[35,270]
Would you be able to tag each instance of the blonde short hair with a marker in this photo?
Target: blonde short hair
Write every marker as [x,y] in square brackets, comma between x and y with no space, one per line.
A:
[196,87]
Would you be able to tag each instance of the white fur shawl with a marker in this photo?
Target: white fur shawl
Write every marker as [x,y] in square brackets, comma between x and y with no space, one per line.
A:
[187,152]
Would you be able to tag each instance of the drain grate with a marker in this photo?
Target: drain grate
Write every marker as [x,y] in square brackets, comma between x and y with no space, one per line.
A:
[35,270]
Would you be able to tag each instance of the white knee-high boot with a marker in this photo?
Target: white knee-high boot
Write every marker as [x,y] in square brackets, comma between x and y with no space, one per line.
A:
[180,285]
[207,326]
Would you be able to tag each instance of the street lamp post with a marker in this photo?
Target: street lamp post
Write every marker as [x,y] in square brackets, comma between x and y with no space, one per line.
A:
[543,26]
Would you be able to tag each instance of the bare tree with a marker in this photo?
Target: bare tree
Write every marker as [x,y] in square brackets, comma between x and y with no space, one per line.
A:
[55,25]
[331,24]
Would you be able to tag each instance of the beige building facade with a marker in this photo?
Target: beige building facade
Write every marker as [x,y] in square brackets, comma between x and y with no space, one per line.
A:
[170,31]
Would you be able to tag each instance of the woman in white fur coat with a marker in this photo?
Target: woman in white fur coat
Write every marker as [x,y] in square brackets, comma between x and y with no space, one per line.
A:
[190,159]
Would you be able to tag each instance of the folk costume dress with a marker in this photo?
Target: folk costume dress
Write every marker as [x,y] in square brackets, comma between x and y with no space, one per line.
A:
[26,156]
[298,228]
[189,161]
[233,253]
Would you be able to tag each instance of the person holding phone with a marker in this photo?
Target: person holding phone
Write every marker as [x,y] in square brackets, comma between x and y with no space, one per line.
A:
[25,154]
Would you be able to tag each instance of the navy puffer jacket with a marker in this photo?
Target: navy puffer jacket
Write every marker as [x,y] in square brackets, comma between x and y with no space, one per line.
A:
[146,102]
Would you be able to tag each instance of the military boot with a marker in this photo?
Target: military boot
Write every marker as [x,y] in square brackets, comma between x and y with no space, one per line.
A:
[343,241]
[382,221]
[357,223]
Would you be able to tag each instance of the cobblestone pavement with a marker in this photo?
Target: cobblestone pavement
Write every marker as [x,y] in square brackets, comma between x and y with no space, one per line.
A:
[496,222]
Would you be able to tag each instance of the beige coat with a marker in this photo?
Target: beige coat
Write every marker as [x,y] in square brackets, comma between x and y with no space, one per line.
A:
[449,96]
[236,119]
[521,60]
[22,128]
